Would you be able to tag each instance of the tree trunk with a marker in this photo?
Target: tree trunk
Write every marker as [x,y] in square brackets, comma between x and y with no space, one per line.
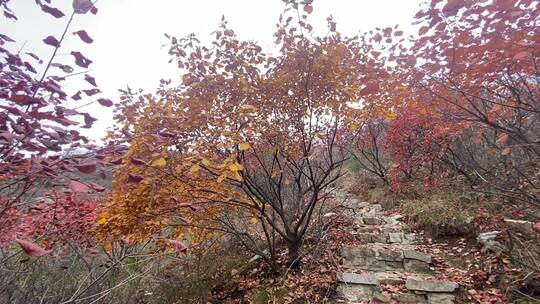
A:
[294,257]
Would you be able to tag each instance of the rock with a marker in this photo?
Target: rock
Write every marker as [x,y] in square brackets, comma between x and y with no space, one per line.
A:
[431,285]
[356,293]
[415,266]
[372,221]
[254,258]
[410,238]
[487,236]
[394,265]
[364,237]
[409,298]
[441,298]
[357,278]
[380,238]
[381,297]
[389,255]
[395,237]
[524,227]
[417,255]
[374,264]
[357,256]
[487,239]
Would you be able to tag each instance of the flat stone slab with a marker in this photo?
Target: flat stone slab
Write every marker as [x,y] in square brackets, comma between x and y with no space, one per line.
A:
[417,255]
[431,285]
[357,278]
[441,298]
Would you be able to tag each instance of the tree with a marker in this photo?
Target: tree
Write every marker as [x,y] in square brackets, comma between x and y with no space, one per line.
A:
[37,121]
[249,139]
[369,152]
[479,58]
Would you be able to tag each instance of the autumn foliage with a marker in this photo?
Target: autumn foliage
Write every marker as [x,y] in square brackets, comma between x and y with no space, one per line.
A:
[249,143]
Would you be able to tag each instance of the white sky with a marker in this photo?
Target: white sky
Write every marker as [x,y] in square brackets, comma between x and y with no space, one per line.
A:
[128,34]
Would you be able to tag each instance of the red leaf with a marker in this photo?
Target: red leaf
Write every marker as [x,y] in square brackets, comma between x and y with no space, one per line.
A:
[96,187]
[502,138]
[105,102]
[179,246]
[52,10]
[370,88]
[90,80]
[50,40]
[536,227]
[133,178]
[84,36]
[117,161]
[82,6]
[452,7]
[505,151]
[80,60]
[137,161]
[88,120]
[32,249]
[25,100]
[166,134]
[521,55]
[308,9]
[78,186]
[77,96]
[86,167]
[91,92]
[64,67]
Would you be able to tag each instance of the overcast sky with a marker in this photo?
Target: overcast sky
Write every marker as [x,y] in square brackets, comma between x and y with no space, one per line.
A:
[128,34]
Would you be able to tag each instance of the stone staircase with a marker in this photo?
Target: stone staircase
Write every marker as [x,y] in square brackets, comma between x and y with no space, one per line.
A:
[387,265]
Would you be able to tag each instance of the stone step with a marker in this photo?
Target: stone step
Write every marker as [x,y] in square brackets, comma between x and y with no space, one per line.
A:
[380,258]
[365,287]
[386,237]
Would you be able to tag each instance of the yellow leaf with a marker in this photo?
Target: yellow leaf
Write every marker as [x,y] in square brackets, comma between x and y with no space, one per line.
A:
[244,146]
[194,168]
[161,162]
[108,246]
[205,162]
[102,221]
[254,220]
[221,178]
[238,177]
[236,167]
[390,116]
